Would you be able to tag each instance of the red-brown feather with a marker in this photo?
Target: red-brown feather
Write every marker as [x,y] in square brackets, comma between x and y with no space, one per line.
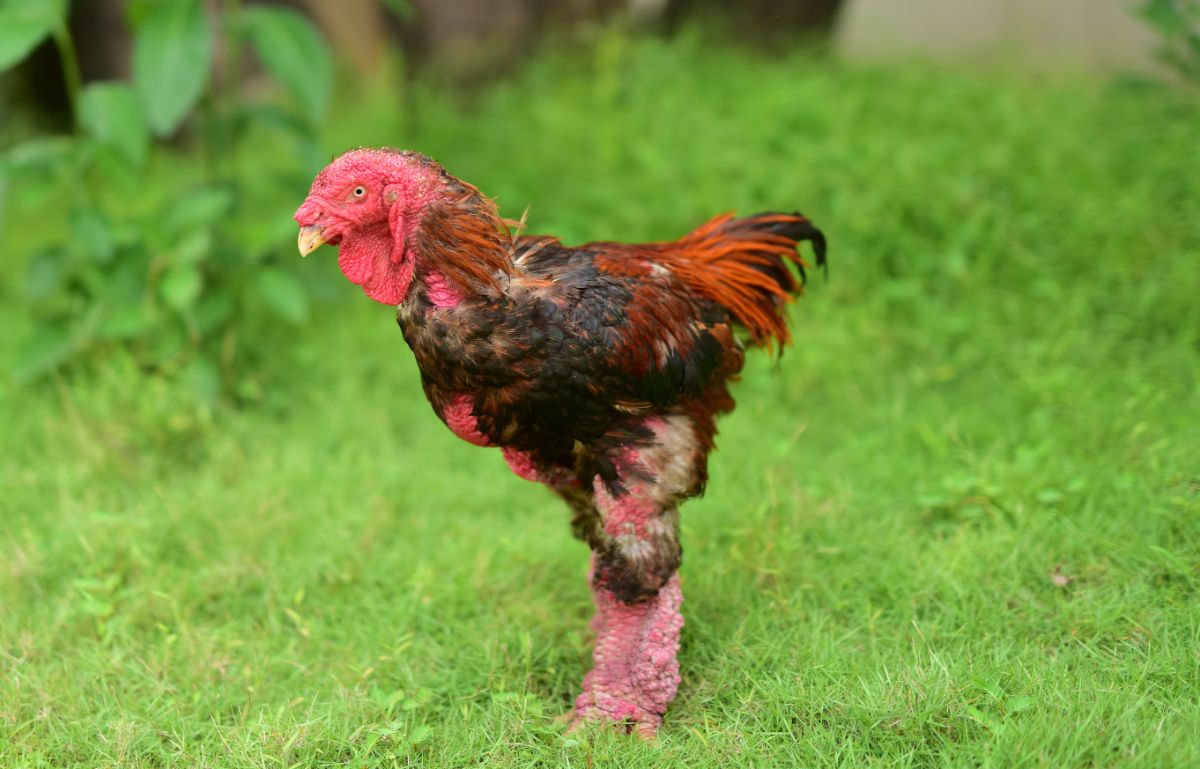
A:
[737,263]
[468,241]
[737,267]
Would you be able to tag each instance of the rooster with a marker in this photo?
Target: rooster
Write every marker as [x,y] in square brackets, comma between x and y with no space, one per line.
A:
[597,370]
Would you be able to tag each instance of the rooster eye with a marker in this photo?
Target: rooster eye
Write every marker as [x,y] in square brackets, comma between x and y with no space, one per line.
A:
[360,191]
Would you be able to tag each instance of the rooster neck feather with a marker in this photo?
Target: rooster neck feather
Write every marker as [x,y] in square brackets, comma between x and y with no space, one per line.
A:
[463,239]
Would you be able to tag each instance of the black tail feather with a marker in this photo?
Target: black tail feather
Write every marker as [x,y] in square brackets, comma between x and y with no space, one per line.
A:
[799,229]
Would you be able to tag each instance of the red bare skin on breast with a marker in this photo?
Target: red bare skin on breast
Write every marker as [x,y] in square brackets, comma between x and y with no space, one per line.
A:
[523,465]
[459,418]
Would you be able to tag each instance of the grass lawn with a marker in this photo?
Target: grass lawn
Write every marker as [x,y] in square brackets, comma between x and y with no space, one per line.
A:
[958,524]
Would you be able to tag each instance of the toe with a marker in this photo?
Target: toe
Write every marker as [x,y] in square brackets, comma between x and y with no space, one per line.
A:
[646,730]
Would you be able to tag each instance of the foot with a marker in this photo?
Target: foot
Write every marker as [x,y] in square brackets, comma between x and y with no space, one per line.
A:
[635,674]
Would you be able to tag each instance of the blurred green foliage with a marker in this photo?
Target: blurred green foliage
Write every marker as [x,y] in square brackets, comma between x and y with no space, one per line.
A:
[24,24]
[166,269]
[1178,24]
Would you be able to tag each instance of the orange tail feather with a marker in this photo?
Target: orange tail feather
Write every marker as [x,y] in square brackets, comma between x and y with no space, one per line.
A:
[745,266]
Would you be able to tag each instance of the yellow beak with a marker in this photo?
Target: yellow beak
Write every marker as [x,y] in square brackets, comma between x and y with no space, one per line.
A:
[310,239]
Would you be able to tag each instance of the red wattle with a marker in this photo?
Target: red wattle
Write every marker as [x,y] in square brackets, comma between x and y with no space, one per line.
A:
[366,259]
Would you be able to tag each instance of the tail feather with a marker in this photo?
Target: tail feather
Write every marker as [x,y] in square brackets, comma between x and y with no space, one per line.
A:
[745,265]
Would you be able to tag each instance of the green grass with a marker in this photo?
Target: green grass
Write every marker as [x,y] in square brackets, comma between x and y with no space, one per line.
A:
[957,525]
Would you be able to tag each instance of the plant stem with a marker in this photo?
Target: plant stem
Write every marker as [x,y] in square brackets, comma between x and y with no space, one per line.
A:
[233,20]
[228,93]
[70,67]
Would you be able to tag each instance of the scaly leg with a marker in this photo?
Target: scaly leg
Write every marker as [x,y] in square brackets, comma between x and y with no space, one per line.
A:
[636,555]
[635,674]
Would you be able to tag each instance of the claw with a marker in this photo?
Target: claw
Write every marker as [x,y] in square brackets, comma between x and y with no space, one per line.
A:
[577,721]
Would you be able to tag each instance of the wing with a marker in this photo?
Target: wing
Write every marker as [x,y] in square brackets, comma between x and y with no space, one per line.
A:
[641,335]
[581,344]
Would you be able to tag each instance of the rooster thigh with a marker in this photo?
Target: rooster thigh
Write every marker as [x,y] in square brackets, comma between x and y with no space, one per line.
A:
[632,524]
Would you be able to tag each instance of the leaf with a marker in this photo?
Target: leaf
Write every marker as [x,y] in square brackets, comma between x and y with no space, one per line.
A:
[40,154]
[38,168]
[198,208]
[24,24]
[266,116]
[194,248]
[110,113]
[985,720]
[402,8]
[126,322]
[43,273]
[168,341]
[180,286]
[125,280]
[172,56]
[1164,14]
[268,230]
[283,294]
[97,607]
[1019,704]
[991,687]
[294,52]
[213,310]
[42,351]
[92,233]
[202,376]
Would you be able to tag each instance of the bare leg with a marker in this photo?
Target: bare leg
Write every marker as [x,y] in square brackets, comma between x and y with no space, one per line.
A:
[635,674]
[636,555]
